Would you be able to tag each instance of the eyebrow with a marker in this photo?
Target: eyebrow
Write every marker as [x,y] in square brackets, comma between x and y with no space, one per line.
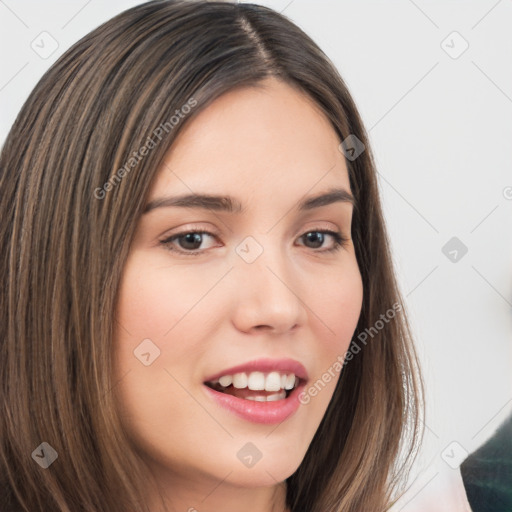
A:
[231,205]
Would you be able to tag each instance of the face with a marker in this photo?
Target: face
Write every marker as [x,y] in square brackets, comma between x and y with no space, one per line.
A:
[261,289]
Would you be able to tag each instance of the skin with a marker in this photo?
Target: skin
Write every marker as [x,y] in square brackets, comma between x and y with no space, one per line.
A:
[269,148]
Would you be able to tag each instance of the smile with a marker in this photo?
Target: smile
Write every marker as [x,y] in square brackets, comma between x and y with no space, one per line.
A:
[257,386]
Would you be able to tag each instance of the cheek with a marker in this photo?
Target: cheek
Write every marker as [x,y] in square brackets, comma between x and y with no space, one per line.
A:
[335,302]
[156,329]
[164,312]
[158,298]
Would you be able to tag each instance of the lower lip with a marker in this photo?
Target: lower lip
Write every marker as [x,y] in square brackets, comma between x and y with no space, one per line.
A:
[267,413]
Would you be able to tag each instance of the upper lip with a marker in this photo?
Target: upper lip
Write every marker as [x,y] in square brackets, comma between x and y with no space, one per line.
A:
[265,365]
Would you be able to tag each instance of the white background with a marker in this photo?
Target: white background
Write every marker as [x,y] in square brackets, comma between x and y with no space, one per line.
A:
[441,131]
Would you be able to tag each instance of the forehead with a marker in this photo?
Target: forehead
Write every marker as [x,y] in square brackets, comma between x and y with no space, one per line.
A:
[255,139]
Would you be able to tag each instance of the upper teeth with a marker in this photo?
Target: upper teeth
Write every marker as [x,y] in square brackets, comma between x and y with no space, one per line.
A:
[258,381]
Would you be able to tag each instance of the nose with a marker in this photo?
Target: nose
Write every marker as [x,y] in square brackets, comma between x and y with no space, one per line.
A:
[269,294]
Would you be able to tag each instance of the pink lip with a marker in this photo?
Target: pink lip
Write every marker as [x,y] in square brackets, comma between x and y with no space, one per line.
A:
[259,412]
[265,365]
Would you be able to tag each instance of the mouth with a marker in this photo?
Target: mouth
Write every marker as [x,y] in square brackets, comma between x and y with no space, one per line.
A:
[257,386]
[262,391]
[257,397]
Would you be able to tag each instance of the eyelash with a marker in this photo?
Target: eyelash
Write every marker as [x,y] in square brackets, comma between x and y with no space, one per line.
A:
[339,241]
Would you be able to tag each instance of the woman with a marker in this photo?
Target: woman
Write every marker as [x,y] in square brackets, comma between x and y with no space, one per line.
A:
[199,308]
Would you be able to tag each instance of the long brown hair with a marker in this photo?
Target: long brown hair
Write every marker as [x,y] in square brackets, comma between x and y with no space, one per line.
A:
[73,184]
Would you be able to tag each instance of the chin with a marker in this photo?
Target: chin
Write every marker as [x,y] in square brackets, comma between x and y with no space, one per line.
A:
[262,474]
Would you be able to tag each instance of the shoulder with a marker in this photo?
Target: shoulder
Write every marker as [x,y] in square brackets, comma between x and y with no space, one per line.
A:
[487,473]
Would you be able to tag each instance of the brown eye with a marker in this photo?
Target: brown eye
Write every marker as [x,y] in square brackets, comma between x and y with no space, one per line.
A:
[317,238]
[189,242]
